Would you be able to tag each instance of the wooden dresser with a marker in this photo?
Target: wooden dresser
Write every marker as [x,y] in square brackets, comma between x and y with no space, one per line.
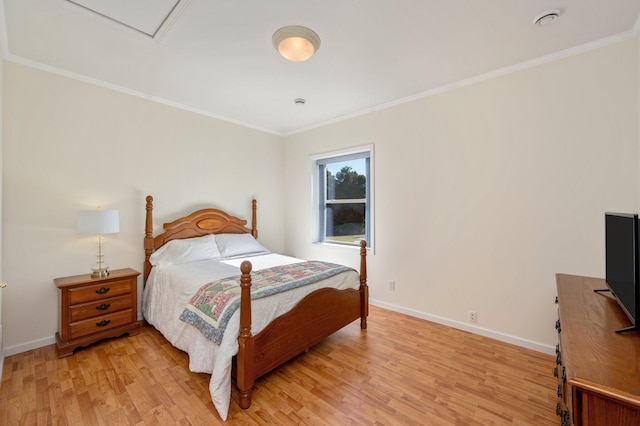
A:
[598,369]
[92,309]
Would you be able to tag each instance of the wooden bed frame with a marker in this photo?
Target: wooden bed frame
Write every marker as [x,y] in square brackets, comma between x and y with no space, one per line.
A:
[315,317]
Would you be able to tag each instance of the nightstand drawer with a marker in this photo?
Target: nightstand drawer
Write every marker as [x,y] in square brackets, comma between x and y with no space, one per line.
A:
[99,308]
[101,323]
[99,291]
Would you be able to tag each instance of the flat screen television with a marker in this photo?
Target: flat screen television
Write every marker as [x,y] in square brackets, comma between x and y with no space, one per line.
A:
[622,263]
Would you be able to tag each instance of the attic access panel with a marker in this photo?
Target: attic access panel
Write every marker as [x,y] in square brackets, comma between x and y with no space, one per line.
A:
[146,16]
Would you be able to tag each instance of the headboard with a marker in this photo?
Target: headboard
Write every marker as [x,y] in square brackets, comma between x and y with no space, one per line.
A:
[199,223]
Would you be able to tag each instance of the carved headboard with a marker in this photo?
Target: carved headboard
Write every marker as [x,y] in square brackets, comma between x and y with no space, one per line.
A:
[199,223]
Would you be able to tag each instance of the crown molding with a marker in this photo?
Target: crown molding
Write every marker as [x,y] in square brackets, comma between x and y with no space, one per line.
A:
[573,51]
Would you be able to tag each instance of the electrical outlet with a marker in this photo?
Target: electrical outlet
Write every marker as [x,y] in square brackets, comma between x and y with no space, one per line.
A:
[473,316]
[392,286]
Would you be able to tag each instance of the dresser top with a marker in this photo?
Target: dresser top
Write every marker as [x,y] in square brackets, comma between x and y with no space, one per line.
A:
[594,354]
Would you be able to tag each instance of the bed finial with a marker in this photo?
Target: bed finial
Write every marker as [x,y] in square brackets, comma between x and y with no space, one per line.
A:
[245,288]
[364,289]
[254,224]
[245,373]
[148,238]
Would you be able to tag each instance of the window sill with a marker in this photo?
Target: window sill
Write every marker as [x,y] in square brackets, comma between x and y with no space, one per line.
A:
[340,246]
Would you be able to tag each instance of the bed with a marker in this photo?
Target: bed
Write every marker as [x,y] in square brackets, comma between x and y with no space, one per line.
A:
[267,329]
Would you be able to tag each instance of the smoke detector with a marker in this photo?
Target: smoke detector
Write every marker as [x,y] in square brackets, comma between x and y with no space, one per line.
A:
[547,17]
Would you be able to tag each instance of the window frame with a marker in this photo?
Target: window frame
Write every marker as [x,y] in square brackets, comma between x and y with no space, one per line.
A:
[319,162]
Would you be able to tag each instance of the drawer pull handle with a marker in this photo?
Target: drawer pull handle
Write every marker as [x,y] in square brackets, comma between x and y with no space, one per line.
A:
[102,290]
[103,306]
[103,323]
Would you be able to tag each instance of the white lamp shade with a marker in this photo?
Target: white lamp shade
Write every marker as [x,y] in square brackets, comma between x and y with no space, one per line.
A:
[98,222]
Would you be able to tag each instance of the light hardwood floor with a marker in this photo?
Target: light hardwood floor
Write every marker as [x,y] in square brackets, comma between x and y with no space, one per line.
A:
[402,370]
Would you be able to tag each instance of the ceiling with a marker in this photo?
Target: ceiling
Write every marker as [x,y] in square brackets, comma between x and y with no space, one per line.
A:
[215,57]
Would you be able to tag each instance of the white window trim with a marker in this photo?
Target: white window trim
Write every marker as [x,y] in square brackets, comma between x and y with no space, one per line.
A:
[315,201]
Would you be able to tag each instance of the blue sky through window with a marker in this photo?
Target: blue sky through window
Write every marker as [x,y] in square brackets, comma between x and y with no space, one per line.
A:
[358,165]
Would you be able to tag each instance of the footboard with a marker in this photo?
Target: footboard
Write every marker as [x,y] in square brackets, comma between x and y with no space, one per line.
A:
[314,318]
[317,316]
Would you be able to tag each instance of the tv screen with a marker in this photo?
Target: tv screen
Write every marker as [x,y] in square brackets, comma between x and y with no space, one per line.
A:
[622,268]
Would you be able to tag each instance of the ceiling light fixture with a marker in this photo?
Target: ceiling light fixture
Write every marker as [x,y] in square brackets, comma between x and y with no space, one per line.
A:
[296,43]
[547,17]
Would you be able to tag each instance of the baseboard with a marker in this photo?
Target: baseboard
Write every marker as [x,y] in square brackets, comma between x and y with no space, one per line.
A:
[34,344]
[503,337]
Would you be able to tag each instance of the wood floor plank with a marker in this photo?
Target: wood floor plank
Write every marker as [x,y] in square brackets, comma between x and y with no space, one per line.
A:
[402,370]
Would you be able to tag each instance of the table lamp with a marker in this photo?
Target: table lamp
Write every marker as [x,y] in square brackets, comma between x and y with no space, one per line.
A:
[98,222]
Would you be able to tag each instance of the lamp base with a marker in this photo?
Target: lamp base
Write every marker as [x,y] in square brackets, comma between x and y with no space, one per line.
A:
[100,269]
[99,273]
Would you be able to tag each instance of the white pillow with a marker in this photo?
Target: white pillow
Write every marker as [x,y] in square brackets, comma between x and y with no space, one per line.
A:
[231,245]
[186,250]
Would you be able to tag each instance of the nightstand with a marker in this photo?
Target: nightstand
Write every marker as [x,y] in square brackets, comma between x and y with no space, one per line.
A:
[92,309]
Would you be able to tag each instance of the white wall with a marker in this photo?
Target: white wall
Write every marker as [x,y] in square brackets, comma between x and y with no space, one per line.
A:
[70,145]
[483,193]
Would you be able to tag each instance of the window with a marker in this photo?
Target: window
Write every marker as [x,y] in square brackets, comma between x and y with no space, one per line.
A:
[344,197]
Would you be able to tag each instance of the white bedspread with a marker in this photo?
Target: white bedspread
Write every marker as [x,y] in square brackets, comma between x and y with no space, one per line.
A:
[169,289]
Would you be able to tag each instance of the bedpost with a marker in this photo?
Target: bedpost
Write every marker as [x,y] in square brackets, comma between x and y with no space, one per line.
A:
[364,289]
[148,238]
[244,360]
[254,229]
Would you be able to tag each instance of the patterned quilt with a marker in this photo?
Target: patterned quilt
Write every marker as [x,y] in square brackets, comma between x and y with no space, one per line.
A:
[213,304]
